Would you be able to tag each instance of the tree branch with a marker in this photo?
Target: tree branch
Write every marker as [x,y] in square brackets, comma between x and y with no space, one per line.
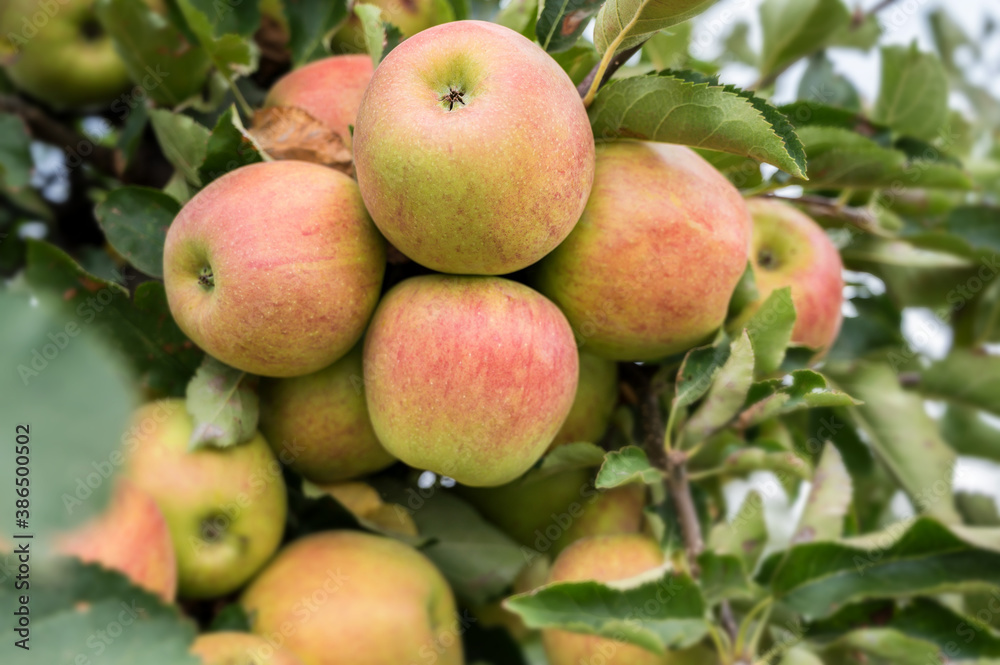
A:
[49,130]
[613,67]
[820,206]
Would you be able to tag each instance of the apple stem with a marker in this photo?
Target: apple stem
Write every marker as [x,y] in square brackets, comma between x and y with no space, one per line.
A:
[608,58]
[613,66]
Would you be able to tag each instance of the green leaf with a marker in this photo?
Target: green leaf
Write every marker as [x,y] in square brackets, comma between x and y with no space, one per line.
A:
[806,390]
[896,424]
[913,99]
[229,147]
[743,172]
[561,22]
[230,52]
[308,22]
[723,577]
[519,16]
[968,432]
[978,509]
[380,36]
[787,465]
[627,465]
[829,500]
[239,18]
[84,611]
[631,22]
[746,536]
[633,611]
[842,158]
[977,227]
[795,28]
[799,656]
[232,617]
[820,83]
[919,558]
[725,398]
[135,221]
[63,384]
[15,152]
[949,36]
[668,49]
[863,37]
[770,330]
[223,404]
[698,372]
[579,455]
[184,142]
[964,377]
[577,61]
[701,114]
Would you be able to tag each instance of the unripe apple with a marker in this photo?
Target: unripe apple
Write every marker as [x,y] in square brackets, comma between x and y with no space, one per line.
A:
[649,270]
[61,54]
[548,514]
[330,90]
[594,404]
[318,424]
[470,377]
[347,594]
[274,268]
[235,648]
[130,536]
[790,249]
[473,149]
[225,507]
[410,16]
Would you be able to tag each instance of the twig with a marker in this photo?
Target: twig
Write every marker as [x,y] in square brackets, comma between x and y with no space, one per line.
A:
[728,620]
[680,492]
[612,67]
[820,206]
[653,422]
[49,130]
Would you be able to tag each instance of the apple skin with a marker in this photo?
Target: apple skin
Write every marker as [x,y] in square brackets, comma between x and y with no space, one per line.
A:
[225,507]
[346,592]
[410,16]
[318,424]
[330,90]
[59,64]
[130,536]
[790,249]
[548,514]
[236,648]
[596,396]
[470,377]
[650,268]
[471,190]
[296,263]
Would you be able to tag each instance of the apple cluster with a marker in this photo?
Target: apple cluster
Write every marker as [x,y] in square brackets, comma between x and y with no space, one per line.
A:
[541,260]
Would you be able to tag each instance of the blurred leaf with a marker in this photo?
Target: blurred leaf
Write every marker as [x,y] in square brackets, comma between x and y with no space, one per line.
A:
[965,377]
[949,36]
[738,45]
[896,425]
[746,535]
[743,172]
[806,390]
[184,142]
[795,28]
[799,656]
[725,397]
[723,576]
[909,559]
[232,617]
[787,465]
[978,509]
[230,52]
[223,405]
[308,22]
[977,226]
[841,158]
[63,385]
[135,221]
[634,21]
[519,16]
[16,163]
[380,36]
[698,372]
[232,17]
[821,84]
[806,113]
[913,99]
[561,22]
[628,465]
[461,9]
[578,60]
[770,330]
[668,49]
[579,455]
[969,433]
[84,611]
[635,613]
[863,37]
[828,502]
[229,147]
[702,114]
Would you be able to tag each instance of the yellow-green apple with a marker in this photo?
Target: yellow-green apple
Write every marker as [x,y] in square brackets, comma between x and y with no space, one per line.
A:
[346,592]
[448,149]
[236,648]
[274,268]
[790,249]
[318,424]
[596,396]
[549,513]
[649,270]
[410,16]
[225,507]
[470,377]
[60,54]
[130,536]
[330,90]
[609,559]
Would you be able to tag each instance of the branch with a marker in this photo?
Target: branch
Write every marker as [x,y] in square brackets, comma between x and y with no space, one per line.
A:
[680,492]
[49,130]
[820,206]
[653,421]
[613,66]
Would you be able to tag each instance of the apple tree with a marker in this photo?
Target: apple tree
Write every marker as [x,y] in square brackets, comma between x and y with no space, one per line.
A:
[519,332]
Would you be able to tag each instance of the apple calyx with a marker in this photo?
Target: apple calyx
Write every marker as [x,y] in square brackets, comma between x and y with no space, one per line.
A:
[452,97]
[213,528]
[206,278]
[767,260]
[91,29]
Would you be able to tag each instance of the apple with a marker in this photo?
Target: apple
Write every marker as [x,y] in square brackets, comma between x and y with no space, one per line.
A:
[330,90]
[347,594]
[549,513]
[470,377]
[274,268]
[235,648]
[130,536]
[473,149]
[649,270]
[318,424]
[410,16]
[62,55]
[790,249]
[596,396]
[225,507]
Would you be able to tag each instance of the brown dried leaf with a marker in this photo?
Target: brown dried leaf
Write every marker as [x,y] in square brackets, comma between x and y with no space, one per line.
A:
[289,132]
